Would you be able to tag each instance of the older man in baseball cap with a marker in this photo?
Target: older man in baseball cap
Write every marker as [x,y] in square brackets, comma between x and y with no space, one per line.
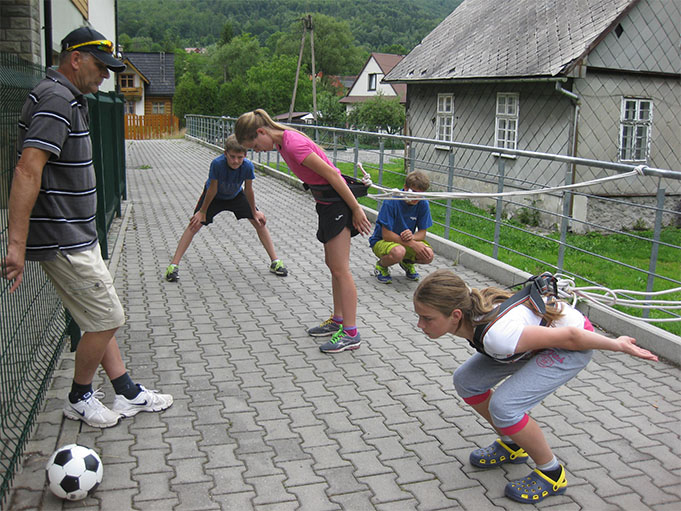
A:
[52,209]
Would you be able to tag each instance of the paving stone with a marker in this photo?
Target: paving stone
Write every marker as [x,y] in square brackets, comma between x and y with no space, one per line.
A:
[235,501]
[342,480]
[263,420]
[429,495]
[326,457]
[313,496]
[269,490]
[195,496]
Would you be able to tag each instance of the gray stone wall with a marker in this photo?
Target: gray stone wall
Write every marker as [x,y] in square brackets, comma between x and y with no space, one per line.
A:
[20,30]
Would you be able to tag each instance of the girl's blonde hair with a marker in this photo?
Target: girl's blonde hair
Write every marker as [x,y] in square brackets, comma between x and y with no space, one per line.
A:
[444,291]
[247,125]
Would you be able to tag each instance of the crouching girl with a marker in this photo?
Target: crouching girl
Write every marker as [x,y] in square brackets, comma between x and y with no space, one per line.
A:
[524,360]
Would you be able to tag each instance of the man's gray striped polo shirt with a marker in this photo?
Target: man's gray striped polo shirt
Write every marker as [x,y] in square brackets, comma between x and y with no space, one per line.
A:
[55,119]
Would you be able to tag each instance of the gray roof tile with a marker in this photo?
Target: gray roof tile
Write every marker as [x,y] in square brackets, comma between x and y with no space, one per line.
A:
[158,68]
[509,38]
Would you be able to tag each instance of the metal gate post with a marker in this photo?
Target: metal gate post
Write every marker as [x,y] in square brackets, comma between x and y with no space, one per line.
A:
[501,164]
[656,243]
[450,183]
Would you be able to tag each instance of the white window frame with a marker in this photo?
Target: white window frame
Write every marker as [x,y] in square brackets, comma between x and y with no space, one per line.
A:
[506,123]
[444,127]
[373,82]
[129,107]
[636,129]
[158,105]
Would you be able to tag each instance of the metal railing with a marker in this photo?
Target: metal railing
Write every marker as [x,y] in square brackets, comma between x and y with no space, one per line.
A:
[548,233]
[33,323]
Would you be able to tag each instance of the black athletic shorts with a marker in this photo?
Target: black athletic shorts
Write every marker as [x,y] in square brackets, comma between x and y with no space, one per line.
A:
[333,218]
[238,205]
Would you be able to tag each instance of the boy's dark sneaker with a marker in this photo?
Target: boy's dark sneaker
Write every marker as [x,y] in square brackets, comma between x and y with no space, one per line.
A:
[277,267]
[341,341]
[410,271]
[172,273]
[382,274]
[328,327]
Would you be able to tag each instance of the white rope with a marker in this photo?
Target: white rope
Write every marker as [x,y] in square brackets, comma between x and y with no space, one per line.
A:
[567,290]
[608,298]
[395,194]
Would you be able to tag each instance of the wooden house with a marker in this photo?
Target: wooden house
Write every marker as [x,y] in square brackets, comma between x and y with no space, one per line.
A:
[368,83]
[148,83]
[596,79]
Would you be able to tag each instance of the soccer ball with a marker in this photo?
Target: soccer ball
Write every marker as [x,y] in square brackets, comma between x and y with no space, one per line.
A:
[73,472]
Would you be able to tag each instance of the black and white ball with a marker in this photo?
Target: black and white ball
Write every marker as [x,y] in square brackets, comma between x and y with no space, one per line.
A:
[74,472]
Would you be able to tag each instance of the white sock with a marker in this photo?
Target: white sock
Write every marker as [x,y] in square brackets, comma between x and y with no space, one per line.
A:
[551,465]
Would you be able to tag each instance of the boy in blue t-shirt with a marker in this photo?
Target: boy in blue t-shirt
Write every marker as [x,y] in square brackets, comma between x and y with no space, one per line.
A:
[229,188]
[400,233]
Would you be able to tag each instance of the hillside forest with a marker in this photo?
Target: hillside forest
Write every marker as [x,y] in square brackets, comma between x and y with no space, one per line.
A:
[247,51]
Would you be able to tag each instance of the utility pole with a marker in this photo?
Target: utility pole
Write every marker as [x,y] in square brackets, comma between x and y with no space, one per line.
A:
[307,26]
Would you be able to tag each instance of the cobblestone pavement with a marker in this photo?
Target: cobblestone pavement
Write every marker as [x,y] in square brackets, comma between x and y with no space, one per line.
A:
[263,420]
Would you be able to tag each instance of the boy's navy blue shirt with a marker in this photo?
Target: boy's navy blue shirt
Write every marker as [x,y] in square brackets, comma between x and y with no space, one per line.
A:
[230,181]
[397,215]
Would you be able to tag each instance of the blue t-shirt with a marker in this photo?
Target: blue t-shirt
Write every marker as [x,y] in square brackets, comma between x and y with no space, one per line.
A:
[230,181]
[397,215]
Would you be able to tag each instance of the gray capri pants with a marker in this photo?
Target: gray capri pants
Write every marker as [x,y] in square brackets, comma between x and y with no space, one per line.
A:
[527,383]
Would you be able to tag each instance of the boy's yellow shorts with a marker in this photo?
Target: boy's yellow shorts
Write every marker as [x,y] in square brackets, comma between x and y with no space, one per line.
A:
[383,247]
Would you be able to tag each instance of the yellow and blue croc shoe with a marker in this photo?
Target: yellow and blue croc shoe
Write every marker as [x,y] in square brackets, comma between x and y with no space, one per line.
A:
[497,454]
[536,487]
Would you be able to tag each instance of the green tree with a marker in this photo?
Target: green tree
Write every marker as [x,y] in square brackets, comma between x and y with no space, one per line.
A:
[189,63]
[270,86]
[331,109]
[378,114]
[335,47]
[395,49]
[139,44]
[227,33]
[196,94]
[236,57]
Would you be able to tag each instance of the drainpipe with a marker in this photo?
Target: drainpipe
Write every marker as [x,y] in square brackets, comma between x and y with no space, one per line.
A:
[570,176]
[47,13]
[576,100]
[116,81]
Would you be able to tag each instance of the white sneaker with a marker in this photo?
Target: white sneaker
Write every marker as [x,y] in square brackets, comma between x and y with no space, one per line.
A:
[91,411]
[146,401]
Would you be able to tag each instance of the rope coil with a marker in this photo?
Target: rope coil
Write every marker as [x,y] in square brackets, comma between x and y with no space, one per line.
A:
[608,298]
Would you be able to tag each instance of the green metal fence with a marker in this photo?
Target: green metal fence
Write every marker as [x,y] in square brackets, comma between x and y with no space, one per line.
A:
[33,324]
[107,128]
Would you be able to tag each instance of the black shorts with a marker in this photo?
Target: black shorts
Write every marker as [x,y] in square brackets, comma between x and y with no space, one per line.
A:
[238,205]
[333,218]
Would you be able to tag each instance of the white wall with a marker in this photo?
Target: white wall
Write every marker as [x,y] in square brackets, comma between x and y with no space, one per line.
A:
[65,18]
[360,88]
